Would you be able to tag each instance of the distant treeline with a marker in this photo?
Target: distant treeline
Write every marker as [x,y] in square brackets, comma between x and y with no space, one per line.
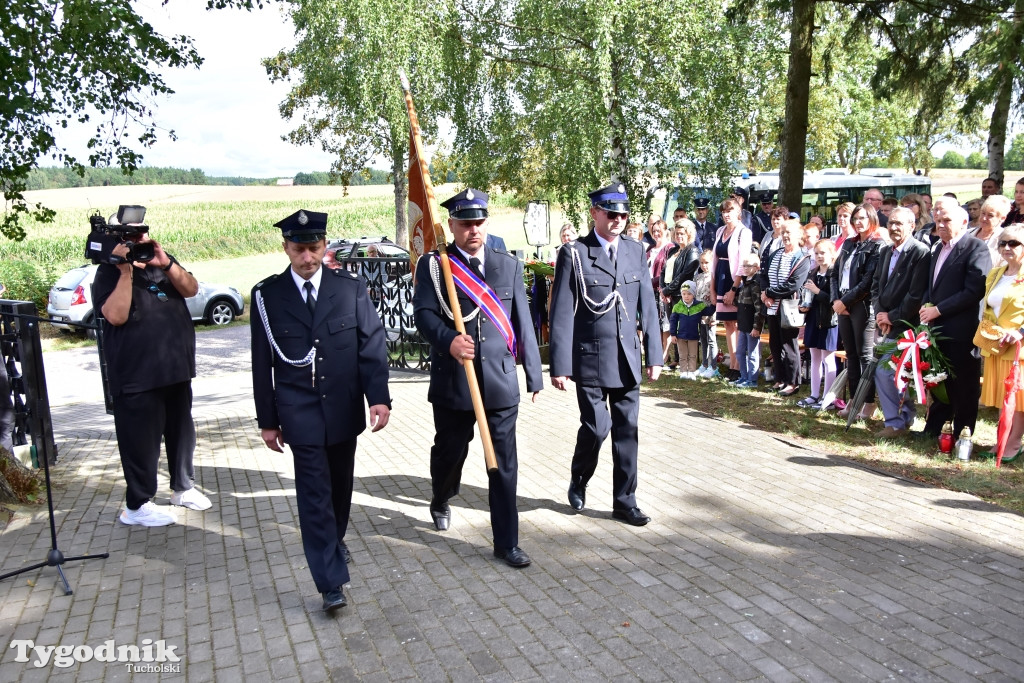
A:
[58,178]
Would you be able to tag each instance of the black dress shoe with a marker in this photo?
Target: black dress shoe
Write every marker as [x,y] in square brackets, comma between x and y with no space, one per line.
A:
[442,516]
[334,599]
[345,554]
[577,493]
[634,516]
[514,556]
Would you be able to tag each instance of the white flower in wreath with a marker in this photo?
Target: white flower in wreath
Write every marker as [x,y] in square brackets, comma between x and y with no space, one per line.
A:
[935,377]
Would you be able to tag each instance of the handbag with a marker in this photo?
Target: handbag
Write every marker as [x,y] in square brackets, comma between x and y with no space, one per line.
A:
[790,315]
[987,339]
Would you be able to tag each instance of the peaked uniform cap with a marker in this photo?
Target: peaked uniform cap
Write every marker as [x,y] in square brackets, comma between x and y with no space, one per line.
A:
[304,226]
[611,198]
[469,204]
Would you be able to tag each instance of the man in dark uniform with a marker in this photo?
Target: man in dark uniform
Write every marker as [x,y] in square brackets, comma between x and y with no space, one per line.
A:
[706,229]
[317,350]
[498,328]
[761,224]
[601,285]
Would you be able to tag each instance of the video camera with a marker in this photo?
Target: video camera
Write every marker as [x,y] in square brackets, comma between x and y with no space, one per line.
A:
[124,228]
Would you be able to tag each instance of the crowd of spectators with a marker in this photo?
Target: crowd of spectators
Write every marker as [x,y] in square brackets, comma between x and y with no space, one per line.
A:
[892,265]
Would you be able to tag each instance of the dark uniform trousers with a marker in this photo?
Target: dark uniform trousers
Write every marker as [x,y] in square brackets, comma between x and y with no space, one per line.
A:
[453,430]
[324,512]
[141,421]
[603,410]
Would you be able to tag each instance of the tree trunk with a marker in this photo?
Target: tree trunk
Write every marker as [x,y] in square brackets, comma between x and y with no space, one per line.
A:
[17,482]
[401,183]
[619,159]
[1001,108]
[997,127]
[798,88]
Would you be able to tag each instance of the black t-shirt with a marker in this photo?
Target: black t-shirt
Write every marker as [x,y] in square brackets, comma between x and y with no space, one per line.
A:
[156,346]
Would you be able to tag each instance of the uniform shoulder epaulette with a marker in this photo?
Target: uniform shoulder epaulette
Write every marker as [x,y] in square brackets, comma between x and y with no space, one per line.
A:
[343,273]
[266,280]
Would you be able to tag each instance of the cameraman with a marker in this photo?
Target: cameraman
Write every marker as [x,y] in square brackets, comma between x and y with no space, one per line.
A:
[149,345]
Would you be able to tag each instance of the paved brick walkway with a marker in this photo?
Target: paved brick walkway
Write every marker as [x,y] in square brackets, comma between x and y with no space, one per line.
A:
[765,561]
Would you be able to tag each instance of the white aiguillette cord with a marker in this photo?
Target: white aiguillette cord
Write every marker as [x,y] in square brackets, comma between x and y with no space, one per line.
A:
[309,359]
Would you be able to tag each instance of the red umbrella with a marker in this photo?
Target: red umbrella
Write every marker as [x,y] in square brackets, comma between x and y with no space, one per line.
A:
[1012,384]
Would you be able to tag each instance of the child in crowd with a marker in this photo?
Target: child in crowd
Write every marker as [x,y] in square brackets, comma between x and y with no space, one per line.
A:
[821,334]
[750,321]
[706,328]
[682,328]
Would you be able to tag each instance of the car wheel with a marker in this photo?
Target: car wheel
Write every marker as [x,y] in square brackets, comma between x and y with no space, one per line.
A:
[89,332]
[220,312]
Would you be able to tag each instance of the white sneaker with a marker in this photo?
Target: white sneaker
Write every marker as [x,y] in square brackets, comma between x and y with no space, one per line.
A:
[192,499]
[147,515]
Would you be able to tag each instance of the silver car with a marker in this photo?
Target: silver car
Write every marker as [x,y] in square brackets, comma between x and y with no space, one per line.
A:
[70,301]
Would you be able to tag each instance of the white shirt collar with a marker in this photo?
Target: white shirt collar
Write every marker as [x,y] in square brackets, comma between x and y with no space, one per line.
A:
[479,255]
[314,280]
[605,243]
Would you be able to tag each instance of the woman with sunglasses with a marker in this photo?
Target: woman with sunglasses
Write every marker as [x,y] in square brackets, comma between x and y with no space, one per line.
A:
[852,274]
[1004,306]
[732,243]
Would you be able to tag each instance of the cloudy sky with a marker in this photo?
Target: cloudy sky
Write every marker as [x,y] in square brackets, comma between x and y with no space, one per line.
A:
[225,114]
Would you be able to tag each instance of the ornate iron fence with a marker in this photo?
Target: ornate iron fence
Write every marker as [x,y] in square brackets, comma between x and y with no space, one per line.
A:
[390,283]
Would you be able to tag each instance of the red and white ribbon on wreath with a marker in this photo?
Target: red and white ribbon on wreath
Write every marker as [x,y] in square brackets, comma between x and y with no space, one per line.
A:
[911,347]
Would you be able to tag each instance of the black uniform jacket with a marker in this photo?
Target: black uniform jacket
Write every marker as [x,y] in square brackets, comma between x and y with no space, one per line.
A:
[351,359]
[586,345]
[495,365]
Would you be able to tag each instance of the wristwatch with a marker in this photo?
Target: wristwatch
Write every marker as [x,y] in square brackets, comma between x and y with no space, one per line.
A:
[168,266]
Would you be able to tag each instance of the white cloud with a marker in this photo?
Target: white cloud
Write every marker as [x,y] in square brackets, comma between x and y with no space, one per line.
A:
[225,114]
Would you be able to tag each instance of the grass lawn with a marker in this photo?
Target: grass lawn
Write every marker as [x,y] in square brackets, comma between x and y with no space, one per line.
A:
[908,457]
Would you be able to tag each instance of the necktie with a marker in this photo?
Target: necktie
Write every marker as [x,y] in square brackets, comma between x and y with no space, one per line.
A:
[310,301]
[611,254]
[892,261]
[477,267]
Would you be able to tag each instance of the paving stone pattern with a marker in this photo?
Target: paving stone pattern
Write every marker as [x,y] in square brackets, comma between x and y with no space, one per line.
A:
[765,561]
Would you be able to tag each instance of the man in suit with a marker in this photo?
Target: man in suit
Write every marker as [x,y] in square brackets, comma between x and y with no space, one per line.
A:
[705,229]
[601,287]
[498,329]
[959,264]
[897,292]
[318,349]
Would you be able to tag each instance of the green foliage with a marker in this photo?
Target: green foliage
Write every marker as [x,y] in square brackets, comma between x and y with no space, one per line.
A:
[365,176]
[1015,154]
[952,159]
[976,160]
[57,177]
[552,98]
[343,68]
[84,61]
[24,282]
